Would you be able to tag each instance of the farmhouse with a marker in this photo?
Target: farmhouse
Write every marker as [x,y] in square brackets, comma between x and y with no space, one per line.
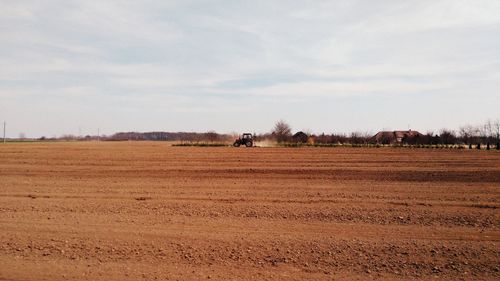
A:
[388,137]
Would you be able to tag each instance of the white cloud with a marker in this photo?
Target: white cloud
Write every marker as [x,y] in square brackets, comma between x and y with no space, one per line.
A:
[217,57]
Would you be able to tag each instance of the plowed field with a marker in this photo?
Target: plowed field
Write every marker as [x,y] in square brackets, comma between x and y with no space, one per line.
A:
[149,211]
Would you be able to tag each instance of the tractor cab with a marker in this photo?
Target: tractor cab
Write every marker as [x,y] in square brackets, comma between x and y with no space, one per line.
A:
[245,139]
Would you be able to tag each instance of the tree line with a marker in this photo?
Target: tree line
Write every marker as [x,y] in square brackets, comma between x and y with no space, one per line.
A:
[487,132]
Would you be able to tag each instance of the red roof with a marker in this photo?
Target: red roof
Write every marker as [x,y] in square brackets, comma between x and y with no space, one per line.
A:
[394,136]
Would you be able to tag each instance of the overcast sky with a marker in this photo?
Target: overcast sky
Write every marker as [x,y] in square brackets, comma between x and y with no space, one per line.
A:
[323,66]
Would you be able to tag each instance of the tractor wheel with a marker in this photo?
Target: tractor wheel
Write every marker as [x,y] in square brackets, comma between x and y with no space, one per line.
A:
[236,144]
[248,144]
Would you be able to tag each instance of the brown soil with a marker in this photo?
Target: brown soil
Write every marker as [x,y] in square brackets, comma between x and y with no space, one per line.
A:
[148,211]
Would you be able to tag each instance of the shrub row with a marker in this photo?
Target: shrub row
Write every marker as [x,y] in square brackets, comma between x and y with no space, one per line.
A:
[427,146]
[201,144]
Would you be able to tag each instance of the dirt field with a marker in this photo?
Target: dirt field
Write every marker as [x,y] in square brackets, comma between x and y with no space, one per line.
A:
[147,211]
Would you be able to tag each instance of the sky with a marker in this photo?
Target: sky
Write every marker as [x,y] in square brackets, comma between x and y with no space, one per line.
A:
[76,66]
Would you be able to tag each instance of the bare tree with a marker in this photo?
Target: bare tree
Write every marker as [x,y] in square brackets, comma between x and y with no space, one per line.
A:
[211,136]
[484,130]
[282,131]
[447,136]
[357,138]
[467,133]
[496,129]
[428,138]
[488,127]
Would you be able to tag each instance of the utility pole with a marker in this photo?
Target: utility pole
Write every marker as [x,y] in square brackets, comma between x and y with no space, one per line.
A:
[98,134]
[4,125]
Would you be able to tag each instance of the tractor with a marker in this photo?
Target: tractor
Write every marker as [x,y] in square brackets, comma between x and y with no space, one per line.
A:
[245,139]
